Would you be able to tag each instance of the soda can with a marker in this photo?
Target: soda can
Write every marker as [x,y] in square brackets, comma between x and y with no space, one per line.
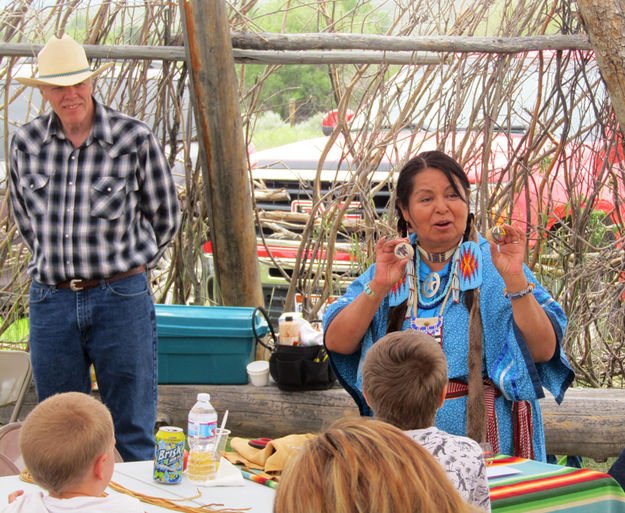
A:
[169,455]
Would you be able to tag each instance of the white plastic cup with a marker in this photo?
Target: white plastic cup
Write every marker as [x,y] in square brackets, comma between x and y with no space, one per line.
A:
[258,373]
[221,440]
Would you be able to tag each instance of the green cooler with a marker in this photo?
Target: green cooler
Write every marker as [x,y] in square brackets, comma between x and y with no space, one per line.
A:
[206,344]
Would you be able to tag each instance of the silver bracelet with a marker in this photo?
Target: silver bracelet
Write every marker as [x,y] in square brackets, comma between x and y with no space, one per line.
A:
[368,290]
[520,293]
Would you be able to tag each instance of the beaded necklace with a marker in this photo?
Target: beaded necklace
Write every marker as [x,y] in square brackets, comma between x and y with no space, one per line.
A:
[436,257]
[436,299]
[432,325]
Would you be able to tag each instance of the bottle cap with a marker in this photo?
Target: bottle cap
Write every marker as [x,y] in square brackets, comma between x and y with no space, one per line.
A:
[293,315]
[203,396]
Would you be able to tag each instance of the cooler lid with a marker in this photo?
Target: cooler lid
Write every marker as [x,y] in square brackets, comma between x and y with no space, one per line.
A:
[208,321]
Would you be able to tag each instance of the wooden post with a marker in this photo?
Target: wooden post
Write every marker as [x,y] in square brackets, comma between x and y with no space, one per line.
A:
[604,21]
[222,151]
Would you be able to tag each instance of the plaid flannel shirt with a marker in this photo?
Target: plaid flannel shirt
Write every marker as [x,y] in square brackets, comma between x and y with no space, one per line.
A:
[96,210]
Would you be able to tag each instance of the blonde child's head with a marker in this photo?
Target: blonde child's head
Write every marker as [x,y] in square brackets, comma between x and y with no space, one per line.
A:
[62,437]
[403,379]
[367,466]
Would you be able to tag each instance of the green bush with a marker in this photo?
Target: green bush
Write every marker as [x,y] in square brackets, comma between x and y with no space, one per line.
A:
[271,131]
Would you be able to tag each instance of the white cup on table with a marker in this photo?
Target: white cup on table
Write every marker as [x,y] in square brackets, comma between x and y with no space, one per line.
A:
[258,373]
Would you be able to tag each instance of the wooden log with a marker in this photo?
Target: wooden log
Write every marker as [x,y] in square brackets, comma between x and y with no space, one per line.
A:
[589,422]
[177,53]
[272,195]
[604,21]
[347,41]
[267,48]
[260,411]
[222,152]
[334,57]
[280,215]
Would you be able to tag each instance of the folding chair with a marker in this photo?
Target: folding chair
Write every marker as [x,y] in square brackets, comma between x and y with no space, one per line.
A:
[9,445]
[7,467]
[15,376]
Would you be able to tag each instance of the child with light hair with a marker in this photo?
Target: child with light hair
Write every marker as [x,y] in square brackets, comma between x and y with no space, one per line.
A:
[367,466]
[68,445]
[404,379]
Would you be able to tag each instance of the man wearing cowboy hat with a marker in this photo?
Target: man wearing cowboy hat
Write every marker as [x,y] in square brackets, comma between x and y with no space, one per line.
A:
[94,200]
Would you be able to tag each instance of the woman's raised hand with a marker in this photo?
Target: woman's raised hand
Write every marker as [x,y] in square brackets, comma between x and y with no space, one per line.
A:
[350,325]
[389,268]
[508,252]
[538,332]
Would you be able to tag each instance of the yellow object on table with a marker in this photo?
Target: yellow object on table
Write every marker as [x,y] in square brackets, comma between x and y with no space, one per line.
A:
[201,466]
[275,455]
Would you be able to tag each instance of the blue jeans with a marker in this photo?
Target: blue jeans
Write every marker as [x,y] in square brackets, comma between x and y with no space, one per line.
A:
[112,326]
[617,470]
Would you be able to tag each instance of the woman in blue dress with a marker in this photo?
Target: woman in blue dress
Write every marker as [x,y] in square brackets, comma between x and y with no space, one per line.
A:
[501,331]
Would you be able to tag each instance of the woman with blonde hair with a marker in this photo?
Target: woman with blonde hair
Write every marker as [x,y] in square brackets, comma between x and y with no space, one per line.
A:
[364,465]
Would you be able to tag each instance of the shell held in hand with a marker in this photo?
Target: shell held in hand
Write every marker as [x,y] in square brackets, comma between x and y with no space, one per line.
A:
[404,250]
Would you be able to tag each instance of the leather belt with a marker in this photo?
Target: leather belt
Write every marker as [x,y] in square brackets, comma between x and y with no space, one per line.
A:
[77,284]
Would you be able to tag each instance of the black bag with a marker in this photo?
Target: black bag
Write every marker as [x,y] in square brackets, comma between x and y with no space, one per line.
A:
[296,368]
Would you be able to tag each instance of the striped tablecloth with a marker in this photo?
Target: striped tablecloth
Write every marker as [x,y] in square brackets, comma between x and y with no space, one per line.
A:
[542,488]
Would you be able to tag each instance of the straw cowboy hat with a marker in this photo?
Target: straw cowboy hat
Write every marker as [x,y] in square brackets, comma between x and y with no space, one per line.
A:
[62,62]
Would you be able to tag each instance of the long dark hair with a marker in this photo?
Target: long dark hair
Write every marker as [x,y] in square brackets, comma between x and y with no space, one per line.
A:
[427,160]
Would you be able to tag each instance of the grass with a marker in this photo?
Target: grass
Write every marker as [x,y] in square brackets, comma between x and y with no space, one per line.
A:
[599,466]
[271,131]
[15,336]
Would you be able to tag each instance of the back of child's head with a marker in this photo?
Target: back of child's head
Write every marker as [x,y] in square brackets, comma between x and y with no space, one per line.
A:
[367,466]
[62,437]
[403,378]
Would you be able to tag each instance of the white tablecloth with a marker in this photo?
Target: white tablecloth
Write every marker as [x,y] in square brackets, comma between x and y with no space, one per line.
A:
[137,476]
